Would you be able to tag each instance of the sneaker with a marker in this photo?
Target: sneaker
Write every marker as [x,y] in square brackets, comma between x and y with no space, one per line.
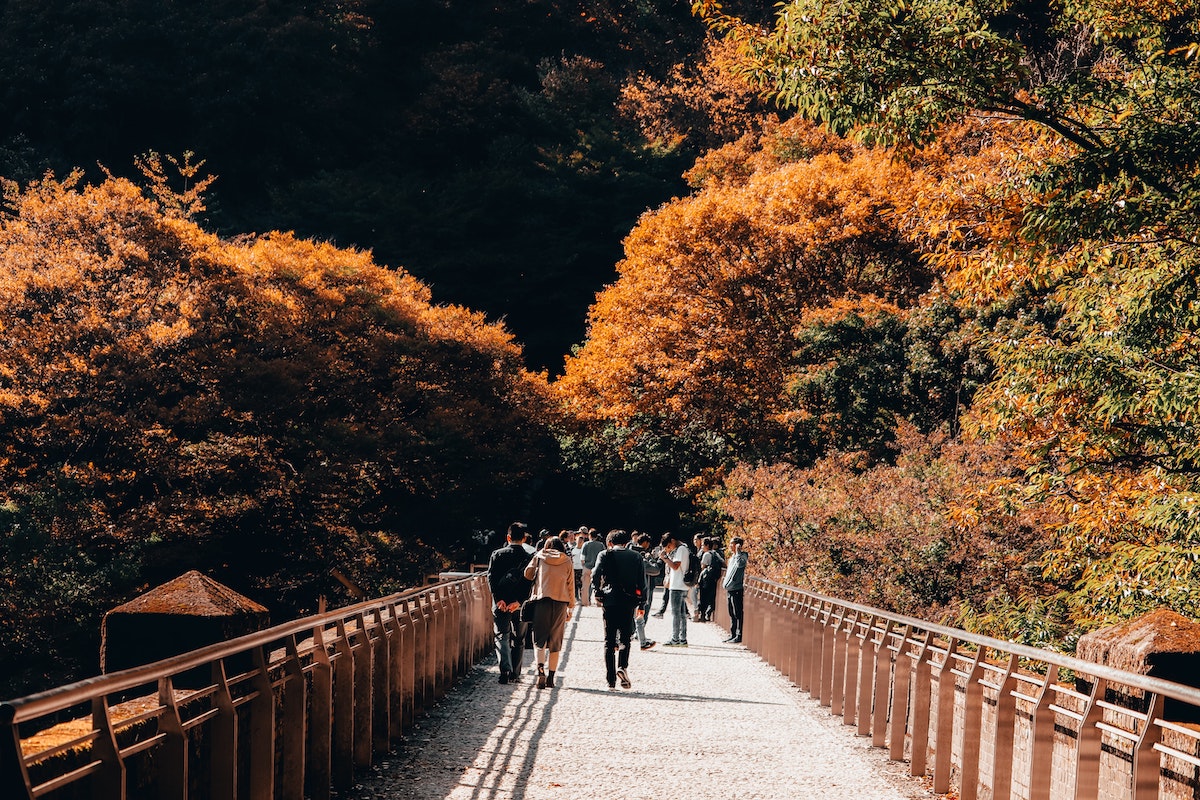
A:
[659,615]
[612,684]
[503,676]
[738,640]
[671,643]
[623,677]
[646,645]
[514,678]
[681,644]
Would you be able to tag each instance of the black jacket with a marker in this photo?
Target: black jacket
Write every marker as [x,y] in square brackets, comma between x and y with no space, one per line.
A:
[619,577]
[506,574]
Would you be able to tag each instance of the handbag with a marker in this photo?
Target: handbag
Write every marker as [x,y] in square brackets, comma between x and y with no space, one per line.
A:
[529,608]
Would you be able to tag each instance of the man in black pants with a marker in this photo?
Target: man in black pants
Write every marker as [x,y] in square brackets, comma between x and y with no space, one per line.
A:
[734,586]
[619,581]
[509,586]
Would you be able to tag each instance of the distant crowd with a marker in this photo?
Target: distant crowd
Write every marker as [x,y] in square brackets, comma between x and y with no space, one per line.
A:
[537,581]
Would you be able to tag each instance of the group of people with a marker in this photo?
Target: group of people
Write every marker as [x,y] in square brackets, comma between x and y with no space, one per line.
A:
[534,589]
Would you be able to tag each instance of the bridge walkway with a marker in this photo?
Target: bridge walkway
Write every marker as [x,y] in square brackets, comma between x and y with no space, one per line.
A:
[708,721]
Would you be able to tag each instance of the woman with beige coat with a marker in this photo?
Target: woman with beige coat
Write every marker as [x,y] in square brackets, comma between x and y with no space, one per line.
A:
[553,576]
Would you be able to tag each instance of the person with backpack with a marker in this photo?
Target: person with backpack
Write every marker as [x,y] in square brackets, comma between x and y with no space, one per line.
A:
[618,582]
[510,588]
[675,558]
[711,565]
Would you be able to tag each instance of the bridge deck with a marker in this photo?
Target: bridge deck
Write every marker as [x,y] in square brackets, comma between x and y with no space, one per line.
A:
[709,721]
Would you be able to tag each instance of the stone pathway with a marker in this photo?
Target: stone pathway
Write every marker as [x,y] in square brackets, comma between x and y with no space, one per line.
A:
[708,721]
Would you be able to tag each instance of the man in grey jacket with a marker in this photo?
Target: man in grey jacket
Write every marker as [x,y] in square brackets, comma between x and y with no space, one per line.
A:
[735,577]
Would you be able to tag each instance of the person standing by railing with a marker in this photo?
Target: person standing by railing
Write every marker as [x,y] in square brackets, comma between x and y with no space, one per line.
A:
[554,592]
[509,586]
[734,583]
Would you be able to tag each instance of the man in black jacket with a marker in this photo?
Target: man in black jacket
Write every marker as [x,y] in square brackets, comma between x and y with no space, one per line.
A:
[619,581]
[510,588]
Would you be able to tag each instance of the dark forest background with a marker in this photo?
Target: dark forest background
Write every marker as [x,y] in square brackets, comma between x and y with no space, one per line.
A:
[477,145]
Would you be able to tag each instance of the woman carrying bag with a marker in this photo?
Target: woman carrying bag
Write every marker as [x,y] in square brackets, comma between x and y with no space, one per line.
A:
[553,577]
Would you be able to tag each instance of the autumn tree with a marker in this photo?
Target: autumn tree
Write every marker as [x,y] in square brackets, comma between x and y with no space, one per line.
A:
[1096,385]
[264,409]
[696,342]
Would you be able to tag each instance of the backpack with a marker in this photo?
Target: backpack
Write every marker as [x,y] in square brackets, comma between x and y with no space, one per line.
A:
[692,574]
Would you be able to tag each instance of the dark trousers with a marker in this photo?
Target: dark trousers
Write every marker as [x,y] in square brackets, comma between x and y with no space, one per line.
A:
[510,639]
[618,633]
[734,601]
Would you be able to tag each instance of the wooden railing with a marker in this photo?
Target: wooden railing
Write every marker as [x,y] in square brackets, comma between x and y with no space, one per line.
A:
[288,712]
[982,717]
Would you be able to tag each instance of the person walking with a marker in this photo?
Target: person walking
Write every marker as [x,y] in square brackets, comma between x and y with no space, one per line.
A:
[592,548]
[575,541]
[553,579]
[510,588]
[618,581]
[675,555]
[734,587]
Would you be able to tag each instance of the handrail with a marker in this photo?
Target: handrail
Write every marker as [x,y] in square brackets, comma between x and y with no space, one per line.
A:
[36,705]
[979,715]
[325,695]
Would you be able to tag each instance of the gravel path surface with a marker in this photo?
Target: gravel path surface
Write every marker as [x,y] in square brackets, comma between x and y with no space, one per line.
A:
[708,721]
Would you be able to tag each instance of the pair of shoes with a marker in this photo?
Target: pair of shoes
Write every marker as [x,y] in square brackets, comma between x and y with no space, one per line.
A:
[541,677]
[659,615]
[646,645]
[503,676]
[623,677]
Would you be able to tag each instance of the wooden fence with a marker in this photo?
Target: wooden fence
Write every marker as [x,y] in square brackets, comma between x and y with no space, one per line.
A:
[288,712]
[978,716]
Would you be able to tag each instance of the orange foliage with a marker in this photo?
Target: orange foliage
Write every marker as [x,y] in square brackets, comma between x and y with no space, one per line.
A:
[698,330]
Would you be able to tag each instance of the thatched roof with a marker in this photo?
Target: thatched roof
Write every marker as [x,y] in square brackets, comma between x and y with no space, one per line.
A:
[192,594]
[1133,646]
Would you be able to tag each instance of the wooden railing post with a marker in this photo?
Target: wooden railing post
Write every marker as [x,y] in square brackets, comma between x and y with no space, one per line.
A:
[900,688]
[395,674]
[262,730]
[1041,759]
[972,728]
[109,781]
[381,690]
[883,683]
[14,778]
[407,667]
[320,726]
[866,671]
[839,664]
[343,709]
[1147,766]
[1088,745]
[1006,725]
[363,690]
[922,699]
[943,742]
[293,731]
[853,651]
[172,758]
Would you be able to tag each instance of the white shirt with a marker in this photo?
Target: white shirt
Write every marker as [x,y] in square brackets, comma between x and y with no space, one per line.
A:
[676,583]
